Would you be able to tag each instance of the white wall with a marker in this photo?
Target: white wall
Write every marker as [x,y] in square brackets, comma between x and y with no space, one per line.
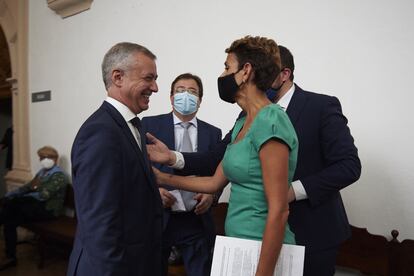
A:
[359,51]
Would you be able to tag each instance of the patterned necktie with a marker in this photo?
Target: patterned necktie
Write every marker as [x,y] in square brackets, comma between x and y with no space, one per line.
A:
[186,146]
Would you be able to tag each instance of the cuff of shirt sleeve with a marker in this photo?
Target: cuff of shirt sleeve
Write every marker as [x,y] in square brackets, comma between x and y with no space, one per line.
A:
[179,161]
[300,192]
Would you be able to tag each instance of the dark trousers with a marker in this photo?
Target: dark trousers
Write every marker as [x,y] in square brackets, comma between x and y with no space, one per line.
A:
[186,232]
[17,211]
[321,262]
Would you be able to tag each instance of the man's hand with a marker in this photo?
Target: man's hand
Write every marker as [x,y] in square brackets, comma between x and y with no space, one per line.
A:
[204,203]
[167,198]
[158,152]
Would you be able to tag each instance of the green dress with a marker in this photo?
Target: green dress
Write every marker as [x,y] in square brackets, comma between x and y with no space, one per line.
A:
[247,212]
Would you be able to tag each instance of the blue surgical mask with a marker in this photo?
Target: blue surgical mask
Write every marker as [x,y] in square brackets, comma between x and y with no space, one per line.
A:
[185,103]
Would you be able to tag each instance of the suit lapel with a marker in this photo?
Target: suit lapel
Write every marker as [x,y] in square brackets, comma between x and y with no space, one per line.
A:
[202,137]
[296,104]
[168,135]
[127,132]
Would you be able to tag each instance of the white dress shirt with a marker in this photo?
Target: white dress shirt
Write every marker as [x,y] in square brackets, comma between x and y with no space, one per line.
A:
[128,115]
[179,132]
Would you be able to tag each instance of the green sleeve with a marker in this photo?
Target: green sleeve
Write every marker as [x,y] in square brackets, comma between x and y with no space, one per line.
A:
[273,123]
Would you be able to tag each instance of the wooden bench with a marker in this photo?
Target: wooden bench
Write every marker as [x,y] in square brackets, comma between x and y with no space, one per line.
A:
[374,254]
[59,232]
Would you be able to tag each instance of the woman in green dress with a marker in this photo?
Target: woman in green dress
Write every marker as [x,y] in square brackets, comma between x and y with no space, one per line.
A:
[261,159]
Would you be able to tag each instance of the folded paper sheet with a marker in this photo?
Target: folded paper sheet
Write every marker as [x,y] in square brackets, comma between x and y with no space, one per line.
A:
[234,256]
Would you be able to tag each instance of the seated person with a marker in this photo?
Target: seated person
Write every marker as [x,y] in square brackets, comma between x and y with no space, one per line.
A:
[40,199]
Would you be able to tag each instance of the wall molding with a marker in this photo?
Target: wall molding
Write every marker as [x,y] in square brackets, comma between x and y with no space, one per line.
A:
[66,8]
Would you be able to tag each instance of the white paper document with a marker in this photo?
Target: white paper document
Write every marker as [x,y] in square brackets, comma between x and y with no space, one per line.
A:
[239,257]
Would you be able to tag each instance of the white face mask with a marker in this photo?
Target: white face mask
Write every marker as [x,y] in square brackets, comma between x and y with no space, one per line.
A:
[47,163]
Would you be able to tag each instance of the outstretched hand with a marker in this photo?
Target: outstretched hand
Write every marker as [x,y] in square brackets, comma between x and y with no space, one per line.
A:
[158,175]
[158,152]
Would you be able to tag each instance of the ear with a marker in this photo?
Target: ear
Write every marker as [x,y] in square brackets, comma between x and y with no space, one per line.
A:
[285,74]
[117,77]
[172,99]
[248,72]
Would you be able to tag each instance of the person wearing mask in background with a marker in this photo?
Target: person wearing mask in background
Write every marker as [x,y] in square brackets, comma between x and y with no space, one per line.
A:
[118,205]
[190,229]
[261,159]
[40,199]
[327,162]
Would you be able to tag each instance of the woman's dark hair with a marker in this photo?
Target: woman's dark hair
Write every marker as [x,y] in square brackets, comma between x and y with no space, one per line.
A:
[263,54]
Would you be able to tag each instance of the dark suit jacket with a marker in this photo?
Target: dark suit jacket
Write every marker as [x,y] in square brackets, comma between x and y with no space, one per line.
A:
[162,127]
[327,162]
[118,206]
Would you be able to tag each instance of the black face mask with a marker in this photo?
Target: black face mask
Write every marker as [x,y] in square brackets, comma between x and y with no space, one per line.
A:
[271,93]
[228,88]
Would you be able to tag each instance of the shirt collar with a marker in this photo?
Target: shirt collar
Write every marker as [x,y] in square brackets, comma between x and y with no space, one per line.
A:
[126,113]
[177,120]
[285,100]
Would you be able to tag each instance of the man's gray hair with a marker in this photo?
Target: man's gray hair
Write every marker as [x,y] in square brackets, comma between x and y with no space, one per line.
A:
[118,57]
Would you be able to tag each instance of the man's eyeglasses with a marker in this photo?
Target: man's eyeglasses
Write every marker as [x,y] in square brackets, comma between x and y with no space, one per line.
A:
[189,90]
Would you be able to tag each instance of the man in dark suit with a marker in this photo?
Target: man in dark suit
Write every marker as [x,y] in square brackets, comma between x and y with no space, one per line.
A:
[191,227]
[327,162]
[118,205]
